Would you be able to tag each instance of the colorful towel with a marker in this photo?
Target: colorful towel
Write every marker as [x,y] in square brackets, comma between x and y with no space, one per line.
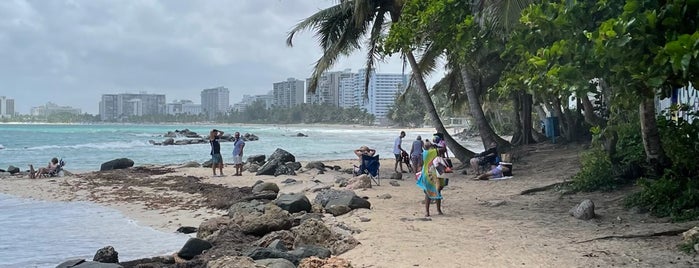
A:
[428,180]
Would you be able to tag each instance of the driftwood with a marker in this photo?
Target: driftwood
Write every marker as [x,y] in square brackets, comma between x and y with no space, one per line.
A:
[673,232]
[543,188]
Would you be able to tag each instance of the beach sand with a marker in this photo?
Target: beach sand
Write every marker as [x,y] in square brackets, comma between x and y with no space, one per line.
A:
[486,223]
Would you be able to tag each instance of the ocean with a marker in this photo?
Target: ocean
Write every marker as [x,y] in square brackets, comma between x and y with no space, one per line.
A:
[43,234]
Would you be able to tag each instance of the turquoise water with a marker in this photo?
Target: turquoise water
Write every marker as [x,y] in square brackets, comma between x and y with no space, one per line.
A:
[86,147]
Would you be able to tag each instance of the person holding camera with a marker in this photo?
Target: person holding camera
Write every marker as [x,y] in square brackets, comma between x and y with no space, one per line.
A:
[216,158]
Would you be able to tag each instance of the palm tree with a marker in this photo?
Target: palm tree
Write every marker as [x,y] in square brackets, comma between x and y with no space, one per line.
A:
[341,28]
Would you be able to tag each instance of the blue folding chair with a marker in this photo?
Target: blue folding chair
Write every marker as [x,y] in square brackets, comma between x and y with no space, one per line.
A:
[370,166]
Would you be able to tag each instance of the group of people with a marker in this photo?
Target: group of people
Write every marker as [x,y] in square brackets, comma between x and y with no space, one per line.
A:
[216,157]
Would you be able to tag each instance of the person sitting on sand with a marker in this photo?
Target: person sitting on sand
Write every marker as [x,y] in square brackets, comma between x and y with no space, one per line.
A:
[485,158]
[53,164]
[494,173]
[363,150]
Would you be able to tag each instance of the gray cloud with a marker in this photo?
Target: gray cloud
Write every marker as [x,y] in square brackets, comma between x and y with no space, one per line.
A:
[72,52]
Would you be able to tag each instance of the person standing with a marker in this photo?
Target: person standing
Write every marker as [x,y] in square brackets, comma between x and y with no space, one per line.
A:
[429,178]
[416,153]
[216,158]
[238,145]
[397,151]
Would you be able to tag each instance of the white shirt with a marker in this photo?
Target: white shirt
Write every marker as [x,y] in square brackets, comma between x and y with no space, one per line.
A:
[397,145]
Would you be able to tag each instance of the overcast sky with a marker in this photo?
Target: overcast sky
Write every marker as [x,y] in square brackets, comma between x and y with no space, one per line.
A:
[71,52]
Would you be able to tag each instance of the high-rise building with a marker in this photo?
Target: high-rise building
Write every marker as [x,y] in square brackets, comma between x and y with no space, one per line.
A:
[183,107]
[51,108]
[378,99]
[288,93]
[117,107]
[328,89]
[267,99]
[7,107]
[215,102]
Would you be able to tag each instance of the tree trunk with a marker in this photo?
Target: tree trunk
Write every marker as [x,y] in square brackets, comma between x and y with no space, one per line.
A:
[526,100]
[487,134]
[517,136]
[655,155]
[459,151]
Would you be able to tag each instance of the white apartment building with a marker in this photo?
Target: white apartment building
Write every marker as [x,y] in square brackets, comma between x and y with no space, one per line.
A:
[51,108]
[7,107]
[328,90]
[215,101]
[383,89]
[288,93]
[183,107]
[267,99]
[120,106]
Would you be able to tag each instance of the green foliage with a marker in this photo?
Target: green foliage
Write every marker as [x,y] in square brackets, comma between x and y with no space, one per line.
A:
[407,110]
[681,142]
[304,113]
[668,197]
[595,173]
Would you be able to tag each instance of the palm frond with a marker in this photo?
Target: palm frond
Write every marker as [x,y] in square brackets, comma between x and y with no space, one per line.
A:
[373,44]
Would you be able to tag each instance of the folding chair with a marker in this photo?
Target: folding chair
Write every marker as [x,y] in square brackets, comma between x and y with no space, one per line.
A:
[56,171]
[370,166]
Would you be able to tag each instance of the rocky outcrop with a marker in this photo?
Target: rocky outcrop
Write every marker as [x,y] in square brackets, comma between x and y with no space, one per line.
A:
[280,162]
[257,218]
[107,255]
[12,169]
[120,163]
[186,136]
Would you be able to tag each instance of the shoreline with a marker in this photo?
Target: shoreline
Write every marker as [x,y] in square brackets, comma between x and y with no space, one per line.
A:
[486,223]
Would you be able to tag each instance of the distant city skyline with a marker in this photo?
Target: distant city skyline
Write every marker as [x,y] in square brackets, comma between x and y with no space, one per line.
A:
[71,53]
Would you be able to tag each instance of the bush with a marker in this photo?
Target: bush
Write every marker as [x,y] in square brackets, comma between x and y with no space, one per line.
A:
[668,197]
[595,173]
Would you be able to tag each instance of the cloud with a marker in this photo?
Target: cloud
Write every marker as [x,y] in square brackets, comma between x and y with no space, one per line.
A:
[72,52]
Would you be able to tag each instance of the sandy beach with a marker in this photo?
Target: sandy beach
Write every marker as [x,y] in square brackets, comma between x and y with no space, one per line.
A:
[486,223]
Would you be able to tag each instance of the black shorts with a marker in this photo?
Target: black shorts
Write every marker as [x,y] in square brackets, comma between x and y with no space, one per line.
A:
[398,157]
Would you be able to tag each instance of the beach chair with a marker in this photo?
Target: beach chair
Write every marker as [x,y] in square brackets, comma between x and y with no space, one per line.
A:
[56,171]
[370,166]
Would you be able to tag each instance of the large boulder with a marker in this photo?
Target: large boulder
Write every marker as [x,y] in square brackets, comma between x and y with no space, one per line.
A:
[293,202]
[211,226]
[265,186]
[275,263]
[315,164]
[120,163]
[257,218]
[169,141]
[326,195]
[314,232]
[359,182]
[286,237]
[259,159]
[12,169]
[82,263]
[193,247]
[353,202]
[283,156]
[107,255]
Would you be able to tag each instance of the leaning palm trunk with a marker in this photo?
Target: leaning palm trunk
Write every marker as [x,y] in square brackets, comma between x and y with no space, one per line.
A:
[459,151]
[487,134]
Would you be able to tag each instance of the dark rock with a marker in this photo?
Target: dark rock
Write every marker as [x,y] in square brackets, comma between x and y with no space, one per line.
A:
[301,135]
[120,163]
[397,176]
[337,168]
[187,229]
[262,196]
[283,156]
[394,183]
[191,164]
[293,165]
[310,250]
[193,247]
[228,262]
[326,195]
[12,169]
[384,196]
[268,253]
[293,202]
[288,181]
[353,202]
[81,263]
[107,255]
[278,245]
[265,186]
[169,141]
[251,167]
[337,210]
[284,170]
[315,232]
[256,218]
[315,164]
[286,237]
[269,168]
[260,158]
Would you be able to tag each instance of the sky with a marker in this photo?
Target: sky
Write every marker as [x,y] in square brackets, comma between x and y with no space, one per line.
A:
[71,52]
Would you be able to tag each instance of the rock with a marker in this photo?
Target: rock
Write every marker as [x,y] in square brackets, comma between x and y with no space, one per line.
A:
[168,141]
[394,183]
[293,165]
[584,211]
[191,164]
[206,164]
[353,202]
[187,229]
[268,253]
[265,186]
[256,218]
[193,247]
[232,261]
[397,176]
[335,262]
[82,263]
[264,195]
[106,255]
[691,236]
[259,159]
[284,170]
[337,210]
[384,196]
[278,244]
[269,168]
[494,203]
[315,164]
[210,226]
[289,181]
[326,195]
[285,237]
[293,202]
[359,182]
[251,167]
[120,163]
[310,250]
[364,219]
[283,156]
[314,232]
[12,169]
[301,135]
[275,263]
